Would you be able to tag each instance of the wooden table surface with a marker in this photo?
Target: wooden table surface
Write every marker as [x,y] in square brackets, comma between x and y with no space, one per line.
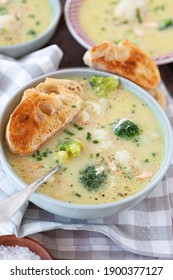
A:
[73,52]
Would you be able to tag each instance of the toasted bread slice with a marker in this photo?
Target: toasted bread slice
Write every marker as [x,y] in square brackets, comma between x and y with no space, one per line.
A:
[38,117]
[126,60]
[56,85]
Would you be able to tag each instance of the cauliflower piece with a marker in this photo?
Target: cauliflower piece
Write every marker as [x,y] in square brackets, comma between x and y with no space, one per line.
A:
[85,116]
[93,106]
[131,10]
[8,22]
[103,137]
[123,157]
[98,108]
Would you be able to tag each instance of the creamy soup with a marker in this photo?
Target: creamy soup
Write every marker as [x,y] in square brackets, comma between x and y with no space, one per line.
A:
[148,25]
[23,20]
[110,151]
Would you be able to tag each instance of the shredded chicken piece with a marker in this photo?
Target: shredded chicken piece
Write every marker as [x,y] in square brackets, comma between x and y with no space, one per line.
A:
[150,24]
[111,164]
[138,31]
[144,175]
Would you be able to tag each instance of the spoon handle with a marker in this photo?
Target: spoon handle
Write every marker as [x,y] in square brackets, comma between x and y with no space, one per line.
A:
[9,206]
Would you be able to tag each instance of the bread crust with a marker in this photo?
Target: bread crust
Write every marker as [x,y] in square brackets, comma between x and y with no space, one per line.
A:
[126,60]
[159,96]
[38,117]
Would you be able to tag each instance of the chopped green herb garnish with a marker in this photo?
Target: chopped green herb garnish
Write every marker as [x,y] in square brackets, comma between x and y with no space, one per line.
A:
[125,22]
[78,126]
[157,8]
[165,23]
[95,141]
[37,22]
[68,132]
[88,136]
[153,154]
[77,194]
[138,15]
[146,160]
[39,156]
[73,106]
[31,32]
[37,152]
[31,16]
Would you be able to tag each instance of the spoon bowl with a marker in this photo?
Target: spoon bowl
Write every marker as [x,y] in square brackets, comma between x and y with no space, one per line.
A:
[9,206]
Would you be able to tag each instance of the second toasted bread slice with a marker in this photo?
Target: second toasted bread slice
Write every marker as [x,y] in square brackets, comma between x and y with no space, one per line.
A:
[126,60]
[38,117]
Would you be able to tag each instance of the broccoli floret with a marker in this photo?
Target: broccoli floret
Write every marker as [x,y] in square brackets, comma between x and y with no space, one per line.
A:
[68,149]
[126,129]
[102,85]
[92,177]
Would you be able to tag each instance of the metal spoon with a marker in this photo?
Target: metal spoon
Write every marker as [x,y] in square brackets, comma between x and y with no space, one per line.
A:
[9,206]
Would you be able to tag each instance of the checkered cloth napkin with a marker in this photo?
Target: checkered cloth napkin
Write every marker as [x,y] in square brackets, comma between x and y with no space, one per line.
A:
[145,231]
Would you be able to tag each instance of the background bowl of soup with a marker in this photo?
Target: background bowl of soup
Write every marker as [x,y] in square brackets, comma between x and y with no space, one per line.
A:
[26,26]
[92,22]
[124,170]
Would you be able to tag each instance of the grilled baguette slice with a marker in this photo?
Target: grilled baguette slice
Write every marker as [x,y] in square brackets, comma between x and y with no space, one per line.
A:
[126,60]
[38,117]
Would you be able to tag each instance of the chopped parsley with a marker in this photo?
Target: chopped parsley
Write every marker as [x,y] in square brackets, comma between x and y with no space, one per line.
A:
[138,15]
[88,136]
[31,32]
[78,126]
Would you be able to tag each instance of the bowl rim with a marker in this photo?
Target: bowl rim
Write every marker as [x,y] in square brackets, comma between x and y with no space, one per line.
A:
[54,21]
[80,36]
[141,93]
[13,240]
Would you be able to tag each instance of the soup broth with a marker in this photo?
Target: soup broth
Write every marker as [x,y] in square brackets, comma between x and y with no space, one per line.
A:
[99,22]
[23,20]
[125,165]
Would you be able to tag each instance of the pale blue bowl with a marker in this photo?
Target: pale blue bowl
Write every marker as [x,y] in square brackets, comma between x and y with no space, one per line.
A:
[19,50]
[89,211]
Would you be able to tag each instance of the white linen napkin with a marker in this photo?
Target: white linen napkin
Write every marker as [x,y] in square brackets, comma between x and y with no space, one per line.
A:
[145,230]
